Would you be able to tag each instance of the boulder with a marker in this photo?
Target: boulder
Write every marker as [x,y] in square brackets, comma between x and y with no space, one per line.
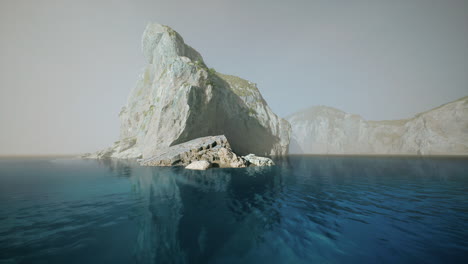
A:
[258,161]
[198,165]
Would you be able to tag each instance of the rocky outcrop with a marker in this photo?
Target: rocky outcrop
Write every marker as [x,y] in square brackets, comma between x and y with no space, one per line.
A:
[177,99]
[325,130]
[258,161]
[199,165]
[214,150]
[124,149]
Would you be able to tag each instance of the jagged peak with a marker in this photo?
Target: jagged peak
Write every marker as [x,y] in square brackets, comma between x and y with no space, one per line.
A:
[161,41]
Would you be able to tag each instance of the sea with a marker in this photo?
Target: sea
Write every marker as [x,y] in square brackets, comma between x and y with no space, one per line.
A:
[305,209]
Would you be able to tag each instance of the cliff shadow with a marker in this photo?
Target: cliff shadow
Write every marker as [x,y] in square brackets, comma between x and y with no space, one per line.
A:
[228,115]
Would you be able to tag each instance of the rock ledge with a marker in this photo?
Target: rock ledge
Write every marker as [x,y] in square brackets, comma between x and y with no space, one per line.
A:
[202,153]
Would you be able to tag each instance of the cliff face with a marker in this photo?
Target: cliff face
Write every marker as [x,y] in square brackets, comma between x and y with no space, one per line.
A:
[325,130]
[177,98]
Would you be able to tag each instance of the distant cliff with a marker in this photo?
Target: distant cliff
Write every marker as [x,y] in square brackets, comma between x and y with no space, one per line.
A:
[177,99]
[325,130]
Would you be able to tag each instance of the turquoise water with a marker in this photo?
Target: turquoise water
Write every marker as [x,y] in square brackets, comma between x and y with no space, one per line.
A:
[304,210]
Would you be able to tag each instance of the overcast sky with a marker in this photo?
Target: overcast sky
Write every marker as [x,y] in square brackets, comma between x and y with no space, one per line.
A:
[67,67]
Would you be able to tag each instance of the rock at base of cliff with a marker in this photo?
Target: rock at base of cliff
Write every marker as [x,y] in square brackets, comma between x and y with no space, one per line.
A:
[258,161]
[214,150]
[199,165]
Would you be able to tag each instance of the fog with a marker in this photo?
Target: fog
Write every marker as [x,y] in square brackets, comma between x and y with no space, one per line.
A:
[67,67]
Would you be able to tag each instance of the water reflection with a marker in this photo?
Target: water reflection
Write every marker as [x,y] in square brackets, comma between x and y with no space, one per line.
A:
[214,180]
[192,215]
[304,210]
[160,214]
[321,209]
[120,168]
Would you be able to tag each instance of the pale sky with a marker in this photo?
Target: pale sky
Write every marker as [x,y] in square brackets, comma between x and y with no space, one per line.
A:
[67,67]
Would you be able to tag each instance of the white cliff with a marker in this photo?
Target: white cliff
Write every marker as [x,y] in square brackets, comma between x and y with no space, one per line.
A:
[177,99]
[325,130]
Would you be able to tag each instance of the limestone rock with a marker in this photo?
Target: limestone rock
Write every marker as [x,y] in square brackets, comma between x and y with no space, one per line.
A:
[177,99]
[325,130]
[199,165]
[123,149]
[258,161]
[213,149]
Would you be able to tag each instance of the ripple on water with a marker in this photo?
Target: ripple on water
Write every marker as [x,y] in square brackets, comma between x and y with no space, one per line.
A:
[304,210]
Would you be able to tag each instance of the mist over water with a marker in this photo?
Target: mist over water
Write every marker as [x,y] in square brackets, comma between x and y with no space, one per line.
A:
[306,209]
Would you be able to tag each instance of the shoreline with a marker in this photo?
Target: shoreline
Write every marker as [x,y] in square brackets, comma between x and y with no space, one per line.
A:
[78,156]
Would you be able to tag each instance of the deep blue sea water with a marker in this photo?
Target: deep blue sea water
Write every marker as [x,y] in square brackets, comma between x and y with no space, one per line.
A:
[307,209]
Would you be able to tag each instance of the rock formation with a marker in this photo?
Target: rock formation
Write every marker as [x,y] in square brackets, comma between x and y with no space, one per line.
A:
[177,99]
[214,150]
[325,130]
[199,165]
[258,161]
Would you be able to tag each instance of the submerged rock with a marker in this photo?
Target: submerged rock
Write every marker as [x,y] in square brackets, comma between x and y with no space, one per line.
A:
[199,165]
[326,130]
[177,99]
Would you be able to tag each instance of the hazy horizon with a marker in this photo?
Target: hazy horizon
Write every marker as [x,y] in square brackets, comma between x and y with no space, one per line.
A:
[68,66]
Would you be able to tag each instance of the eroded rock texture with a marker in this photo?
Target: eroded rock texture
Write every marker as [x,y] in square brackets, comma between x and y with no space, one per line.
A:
[177,99]
[215,150]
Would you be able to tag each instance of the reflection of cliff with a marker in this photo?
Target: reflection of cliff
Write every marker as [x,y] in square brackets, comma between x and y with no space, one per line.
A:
[123,168]
[201,216]
[289,213]
[159,238]
[216,180]
[161,212]
[235,215]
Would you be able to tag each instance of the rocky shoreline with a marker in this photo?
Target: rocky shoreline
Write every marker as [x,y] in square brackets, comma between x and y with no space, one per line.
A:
[205,152]
[201,154]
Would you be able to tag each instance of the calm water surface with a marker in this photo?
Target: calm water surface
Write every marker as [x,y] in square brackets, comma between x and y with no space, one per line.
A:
[304,210]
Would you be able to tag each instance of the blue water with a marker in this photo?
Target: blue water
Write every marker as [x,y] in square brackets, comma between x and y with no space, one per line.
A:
[304,210]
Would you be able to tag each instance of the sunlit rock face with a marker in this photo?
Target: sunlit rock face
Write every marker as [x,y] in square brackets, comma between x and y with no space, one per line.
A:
[325,130]
[177,98]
